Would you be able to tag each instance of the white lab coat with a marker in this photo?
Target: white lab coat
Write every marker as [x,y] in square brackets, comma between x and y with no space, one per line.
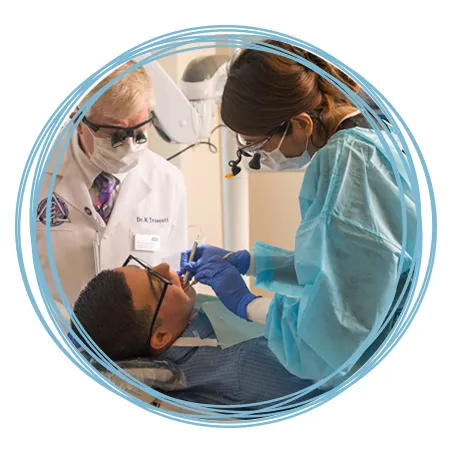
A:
[151,201]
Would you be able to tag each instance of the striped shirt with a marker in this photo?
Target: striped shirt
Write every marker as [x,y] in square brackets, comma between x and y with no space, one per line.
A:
[244,373]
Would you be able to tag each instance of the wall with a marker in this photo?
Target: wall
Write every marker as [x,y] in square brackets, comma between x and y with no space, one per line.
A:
[201,168]
[263,205]
[274,210]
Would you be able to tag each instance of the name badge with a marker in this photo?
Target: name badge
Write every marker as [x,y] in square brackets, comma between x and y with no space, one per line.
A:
[147,242]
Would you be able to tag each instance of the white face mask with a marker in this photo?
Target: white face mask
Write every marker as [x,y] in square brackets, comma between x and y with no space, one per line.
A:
[116,160]
[275,160]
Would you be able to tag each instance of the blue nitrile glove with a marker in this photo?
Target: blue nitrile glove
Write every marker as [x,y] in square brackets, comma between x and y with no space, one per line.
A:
[240,259]
[227,283]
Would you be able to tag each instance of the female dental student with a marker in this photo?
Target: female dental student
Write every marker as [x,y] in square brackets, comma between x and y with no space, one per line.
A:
[340,284]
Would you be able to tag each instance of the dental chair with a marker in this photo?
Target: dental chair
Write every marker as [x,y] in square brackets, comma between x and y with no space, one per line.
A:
[161,375]
[164,376]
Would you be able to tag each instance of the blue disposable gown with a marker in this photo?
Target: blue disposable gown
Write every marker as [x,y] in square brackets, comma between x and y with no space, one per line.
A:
[339,283]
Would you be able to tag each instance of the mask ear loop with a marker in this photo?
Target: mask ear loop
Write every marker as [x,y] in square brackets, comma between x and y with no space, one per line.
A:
[306,147]
[284,136]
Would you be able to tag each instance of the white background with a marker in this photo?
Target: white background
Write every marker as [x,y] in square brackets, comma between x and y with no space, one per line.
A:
[48,48]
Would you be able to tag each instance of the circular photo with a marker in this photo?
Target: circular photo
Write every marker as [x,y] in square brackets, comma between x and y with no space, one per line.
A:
[227,232]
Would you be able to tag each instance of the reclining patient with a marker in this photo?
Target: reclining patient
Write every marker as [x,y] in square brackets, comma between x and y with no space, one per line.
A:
[140,312]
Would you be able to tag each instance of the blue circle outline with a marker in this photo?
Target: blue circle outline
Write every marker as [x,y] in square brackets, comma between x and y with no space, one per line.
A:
[163,44]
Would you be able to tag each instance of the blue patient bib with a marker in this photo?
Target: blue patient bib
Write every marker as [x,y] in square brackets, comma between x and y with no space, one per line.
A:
[229,328]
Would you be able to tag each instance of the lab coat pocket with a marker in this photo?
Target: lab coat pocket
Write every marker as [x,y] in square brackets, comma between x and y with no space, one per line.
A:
[58,238]
[60,253]
[57,235]
[64,227]
[58,241]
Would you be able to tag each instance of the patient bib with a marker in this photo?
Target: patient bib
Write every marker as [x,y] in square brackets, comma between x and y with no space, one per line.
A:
[229,328]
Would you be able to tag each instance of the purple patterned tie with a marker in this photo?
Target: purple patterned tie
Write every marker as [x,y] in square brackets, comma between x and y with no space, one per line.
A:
[105,184]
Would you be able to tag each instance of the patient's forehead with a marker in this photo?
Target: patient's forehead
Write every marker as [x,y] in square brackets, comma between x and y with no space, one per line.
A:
[138,281]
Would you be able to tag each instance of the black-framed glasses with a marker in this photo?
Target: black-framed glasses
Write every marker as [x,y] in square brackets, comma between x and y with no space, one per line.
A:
[117,137]
[166,284]
[258,145]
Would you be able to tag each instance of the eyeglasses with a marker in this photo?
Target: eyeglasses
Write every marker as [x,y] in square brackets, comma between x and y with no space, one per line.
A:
[166,284]
[117,137]
[258,145]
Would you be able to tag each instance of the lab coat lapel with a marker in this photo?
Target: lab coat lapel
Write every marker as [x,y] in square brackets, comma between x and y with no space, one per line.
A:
[72,187]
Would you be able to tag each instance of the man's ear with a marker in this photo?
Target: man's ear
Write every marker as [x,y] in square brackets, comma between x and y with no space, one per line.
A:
[79,127]
[161,339]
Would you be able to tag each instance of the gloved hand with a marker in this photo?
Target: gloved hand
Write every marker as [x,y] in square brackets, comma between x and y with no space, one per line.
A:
[227,283]
[240,259]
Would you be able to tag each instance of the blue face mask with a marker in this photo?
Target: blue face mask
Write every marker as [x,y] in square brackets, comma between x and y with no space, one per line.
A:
[275,160]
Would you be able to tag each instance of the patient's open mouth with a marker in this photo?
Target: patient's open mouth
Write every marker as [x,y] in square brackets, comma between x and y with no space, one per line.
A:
[188,285]
[183,285]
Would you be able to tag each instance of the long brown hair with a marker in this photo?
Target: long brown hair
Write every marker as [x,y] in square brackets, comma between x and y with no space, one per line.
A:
[263,90]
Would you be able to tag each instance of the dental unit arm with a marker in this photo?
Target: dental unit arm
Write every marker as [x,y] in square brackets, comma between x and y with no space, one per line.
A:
[184,116]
